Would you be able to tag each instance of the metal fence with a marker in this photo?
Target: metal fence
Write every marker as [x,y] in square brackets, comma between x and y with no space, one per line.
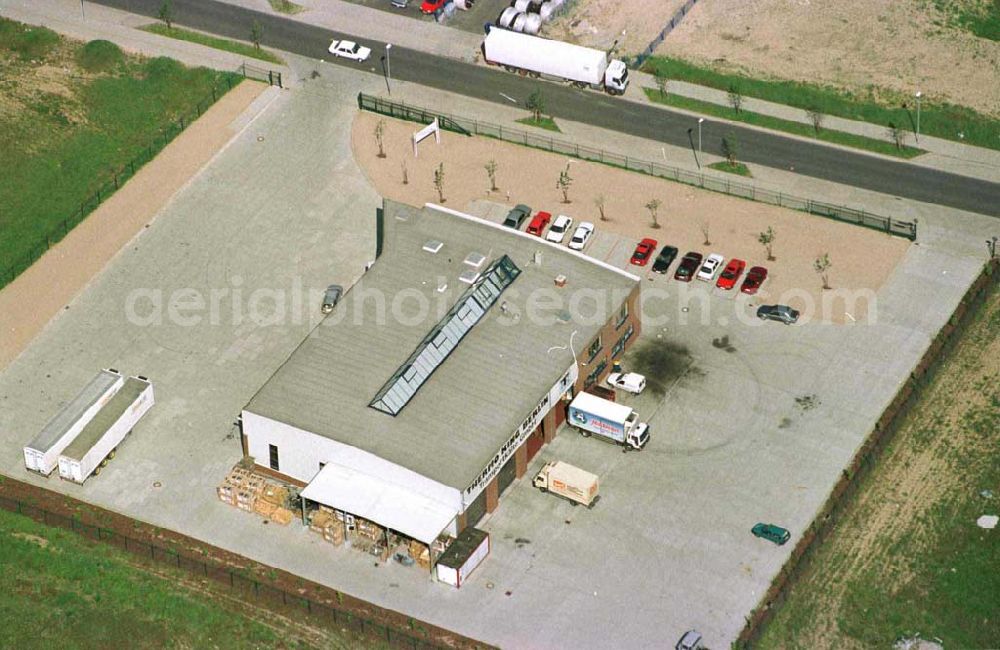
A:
[675,20]
[263,594]
[466,126]
[118,177]
[864,460]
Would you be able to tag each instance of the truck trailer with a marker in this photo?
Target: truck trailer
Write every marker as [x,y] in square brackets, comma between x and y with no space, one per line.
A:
[543,57]
[99,440]
[617,423]
[42,454]
[568,482]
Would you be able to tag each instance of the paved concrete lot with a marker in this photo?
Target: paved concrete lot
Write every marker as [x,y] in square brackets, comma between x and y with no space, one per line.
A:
[668,546]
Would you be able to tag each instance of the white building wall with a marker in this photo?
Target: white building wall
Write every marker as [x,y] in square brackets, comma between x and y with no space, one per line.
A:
[300,452]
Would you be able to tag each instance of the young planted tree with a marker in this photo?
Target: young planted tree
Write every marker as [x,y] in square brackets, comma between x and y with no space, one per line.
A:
[166,14]
[766,238]
[896,133]
[439,181]
[730,149]
[704,231]
[491,171]
[815,117]
[406,176]
[653,206]
[565,180]
[661,81]
[599,202]
[380,137]
[536,104]
[822,266]
[735,97]
[256,33]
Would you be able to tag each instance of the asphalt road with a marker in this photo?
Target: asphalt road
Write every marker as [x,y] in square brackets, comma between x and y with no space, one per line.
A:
[590,107]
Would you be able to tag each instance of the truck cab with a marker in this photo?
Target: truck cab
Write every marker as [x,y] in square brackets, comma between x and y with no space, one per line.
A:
[616,77]
[638,436]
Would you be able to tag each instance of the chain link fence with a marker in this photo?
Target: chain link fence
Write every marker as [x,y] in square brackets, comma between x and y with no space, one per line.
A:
[466,126]
[236,581]
[878,439]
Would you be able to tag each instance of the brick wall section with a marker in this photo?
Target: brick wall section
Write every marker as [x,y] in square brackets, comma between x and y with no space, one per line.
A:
[610,335]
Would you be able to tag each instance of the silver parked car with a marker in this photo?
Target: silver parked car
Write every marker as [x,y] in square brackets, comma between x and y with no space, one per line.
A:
[332,297]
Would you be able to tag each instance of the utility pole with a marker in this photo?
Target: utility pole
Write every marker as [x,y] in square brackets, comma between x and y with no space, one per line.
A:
[695,152]
[386,70]
[918,96]
[700,121]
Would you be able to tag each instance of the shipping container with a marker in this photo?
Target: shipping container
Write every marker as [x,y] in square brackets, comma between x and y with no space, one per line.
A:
[462,557]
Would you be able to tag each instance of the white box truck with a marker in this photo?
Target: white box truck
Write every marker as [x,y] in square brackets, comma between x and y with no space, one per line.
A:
[99,440]
[615,422]
[569,482]
[543,57]
[42,454]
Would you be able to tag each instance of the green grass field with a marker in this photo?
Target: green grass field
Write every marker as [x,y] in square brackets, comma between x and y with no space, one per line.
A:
[938,119]
[235,47]
[778,124]
[74,113]
[546,123]
[57,589]
[907,555]
[980,17]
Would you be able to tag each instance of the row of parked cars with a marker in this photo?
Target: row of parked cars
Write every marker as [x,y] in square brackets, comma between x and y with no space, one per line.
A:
[557,230]
[694,265]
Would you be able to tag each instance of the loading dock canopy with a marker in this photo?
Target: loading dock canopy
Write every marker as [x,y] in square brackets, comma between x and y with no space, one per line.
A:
[386,504]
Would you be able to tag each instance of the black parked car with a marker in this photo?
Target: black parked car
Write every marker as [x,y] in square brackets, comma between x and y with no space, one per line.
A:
[688,266]
[781,313]
[664,259]
[517,216]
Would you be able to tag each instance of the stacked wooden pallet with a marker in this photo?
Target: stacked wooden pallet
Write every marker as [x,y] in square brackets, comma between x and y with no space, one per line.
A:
[420,553]
[326,524]
[253,493]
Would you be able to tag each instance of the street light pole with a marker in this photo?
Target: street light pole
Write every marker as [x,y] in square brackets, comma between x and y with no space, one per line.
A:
[700,120]
[691,140]
[991,246]
[386,68]
[918,96]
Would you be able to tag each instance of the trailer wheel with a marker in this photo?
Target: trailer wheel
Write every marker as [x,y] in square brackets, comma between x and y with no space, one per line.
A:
[510,68]
[574,503]
[585,433]
[613,91]
[534,75]
[113,452]
[544,490]
[97,471]
[104,463]
[580,84]
[523,73]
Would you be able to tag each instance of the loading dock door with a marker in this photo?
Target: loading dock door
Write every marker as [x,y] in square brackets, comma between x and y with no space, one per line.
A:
[476,510]
[507,475]
[534,443]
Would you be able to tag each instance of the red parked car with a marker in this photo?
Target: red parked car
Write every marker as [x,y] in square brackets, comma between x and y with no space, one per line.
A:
[643,252]
[731,274]
[537,225]
[755,278]
[430,6]
[689,264]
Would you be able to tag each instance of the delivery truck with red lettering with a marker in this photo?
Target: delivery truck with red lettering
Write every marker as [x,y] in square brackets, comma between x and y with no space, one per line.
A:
[569,482]
[614,422]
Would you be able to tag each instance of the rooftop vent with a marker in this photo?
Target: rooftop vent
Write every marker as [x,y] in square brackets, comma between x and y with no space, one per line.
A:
[537,258]
[469,277]
[560,280]
[474,259]
[442,286]
[433,246]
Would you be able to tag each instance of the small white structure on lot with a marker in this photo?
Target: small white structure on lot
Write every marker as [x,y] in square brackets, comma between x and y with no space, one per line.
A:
[432,384]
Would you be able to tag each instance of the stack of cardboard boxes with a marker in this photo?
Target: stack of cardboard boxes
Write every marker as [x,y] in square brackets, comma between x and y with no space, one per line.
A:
[253,493]
[325,522]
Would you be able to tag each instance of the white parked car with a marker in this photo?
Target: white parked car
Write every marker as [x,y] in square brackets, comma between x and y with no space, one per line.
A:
[350,50]
[559,228]
[581,236]
[632,382]
[710,267]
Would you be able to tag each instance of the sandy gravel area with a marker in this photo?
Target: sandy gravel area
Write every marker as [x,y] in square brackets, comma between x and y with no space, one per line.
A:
[50,284]
[598,23]
[862,259]
[857,44]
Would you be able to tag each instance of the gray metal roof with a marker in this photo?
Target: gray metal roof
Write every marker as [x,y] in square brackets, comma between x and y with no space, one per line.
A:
[108,415]
[57,427]
[490,382]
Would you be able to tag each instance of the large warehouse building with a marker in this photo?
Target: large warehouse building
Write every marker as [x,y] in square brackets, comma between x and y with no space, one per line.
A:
[441,373]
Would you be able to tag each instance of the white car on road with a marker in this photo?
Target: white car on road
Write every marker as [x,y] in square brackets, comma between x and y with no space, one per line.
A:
[350,50]
[558,229]
[710,267]
[632,382]
[581,236]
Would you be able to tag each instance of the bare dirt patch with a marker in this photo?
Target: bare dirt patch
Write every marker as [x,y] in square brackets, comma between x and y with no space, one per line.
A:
[862,259]
[598,23]
[34,539]
[863,45]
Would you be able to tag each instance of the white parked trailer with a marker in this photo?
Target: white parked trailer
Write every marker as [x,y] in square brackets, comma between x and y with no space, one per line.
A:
[543,57]
[99,440]
[42,454]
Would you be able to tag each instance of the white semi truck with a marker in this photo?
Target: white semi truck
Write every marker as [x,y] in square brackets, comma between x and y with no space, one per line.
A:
[543,57]
[42,454]
[99,440]
[569,482]
[617,423]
